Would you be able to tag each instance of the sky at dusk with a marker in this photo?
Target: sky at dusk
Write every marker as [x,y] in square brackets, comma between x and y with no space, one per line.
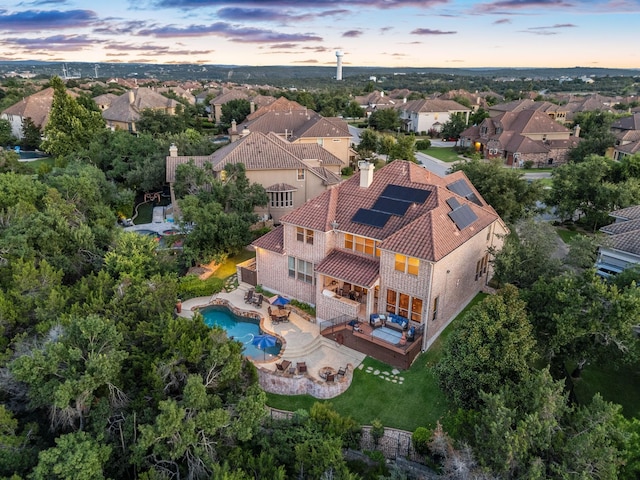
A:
[389,33]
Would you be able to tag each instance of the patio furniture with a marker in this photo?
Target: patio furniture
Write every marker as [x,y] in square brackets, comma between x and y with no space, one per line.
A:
[248,297]
[302,367]
[341,371]
[330,378]
[283,366]
[275,319]
[258,301]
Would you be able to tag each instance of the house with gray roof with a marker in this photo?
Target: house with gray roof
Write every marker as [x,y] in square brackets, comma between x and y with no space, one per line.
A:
[292,174]
[401,245]
[627,133]
[37,107]
[124,111]
[621,248]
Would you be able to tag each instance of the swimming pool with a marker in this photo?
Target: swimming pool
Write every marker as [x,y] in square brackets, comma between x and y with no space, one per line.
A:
[239,328]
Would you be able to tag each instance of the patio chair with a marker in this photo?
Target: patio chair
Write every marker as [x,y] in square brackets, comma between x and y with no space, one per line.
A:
[274,319]
[283,366]
[258,302]
[302,367]
[330,377]
[341,371]
[286,317]
[248,297]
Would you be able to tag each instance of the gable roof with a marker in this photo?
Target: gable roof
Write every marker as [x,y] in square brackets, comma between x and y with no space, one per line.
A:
[627,123]
[281,104]
[426,230]
[629,213]
[433,105]
[123,109]
[37,107]
[258,151]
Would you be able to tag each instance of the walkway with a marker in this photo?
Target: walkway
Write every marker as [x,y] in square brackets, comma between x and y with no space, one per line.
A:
[303,340]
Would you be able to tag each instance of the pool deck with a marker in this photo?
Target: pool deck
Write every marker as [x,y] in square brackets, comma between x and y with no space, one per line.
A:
[303,342]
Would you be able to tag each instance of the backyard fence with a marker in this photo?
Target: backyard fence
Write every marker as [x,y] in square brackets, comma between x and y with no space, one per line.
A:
[393,444]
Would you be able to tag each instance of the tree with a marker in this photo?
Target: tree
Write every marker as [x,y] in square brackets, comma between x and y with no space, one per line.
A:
[71,126]
[454,127]
[492,347]
[76,456]
[236,110]
[478,116]
[404,148]
[503,188]
[527,255]
[581,319]
[353,110]
[6,137]
[385,120]
[595,130]
[65,373]
[31,135]
[369,143]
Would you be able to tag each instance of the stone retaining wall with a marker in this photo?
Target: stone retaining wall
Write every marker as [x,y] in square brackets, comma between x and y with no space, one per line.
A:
[287,384]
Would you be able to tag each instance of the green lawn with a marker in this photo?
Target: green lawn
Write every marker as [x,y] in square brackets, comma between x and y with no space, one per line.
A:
[35,164]
[621,386]
[567,235]
[417,402]
[446,154]
[228,268]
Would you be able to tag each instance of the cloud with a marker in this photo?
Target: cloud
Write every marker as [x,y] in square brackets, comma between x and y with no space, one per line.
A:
[311,60]
[259,14]
[222,29]
[123,28]
[319,4]
[66,43]
[428,31]
[505,6]
[37,20]
[352,33]
[549,30]
[284,45]
[384,30]
[502,21]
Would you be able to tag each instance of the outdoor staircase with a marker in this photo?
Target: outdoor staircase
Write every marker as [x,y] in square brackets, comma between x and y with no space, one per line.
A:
[319,342]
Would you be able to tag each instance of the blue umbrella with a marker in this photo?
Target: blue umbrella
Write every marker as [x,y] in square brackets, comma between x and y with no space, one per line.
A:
[263,342]
[278,300]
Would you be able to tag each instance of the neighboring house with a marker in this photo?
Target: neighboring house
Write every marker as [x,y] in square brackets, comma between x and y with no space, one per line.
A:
[255,101]
[299,125]
[179,92]
[627,133]
[429,114]
[400,241]
[36,107]
[125,110]
[622,248]
[104,101]
[292,174]
[559,113]
[376,100]
[521,136]
[589,103]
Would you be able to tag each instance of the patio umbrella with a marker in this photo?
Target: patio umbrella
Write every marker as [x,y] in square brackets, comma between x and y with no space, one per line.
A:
[278,300]
[263,342]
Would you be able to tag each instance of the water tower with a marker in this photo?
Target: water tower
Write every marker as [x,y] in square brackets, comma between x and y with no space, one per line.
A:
[339,55]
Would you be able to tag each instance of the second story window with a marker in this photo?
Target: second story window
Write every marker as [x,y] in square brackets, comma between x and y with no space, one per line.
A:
[406,264]
[281,199]
[304,235]
[300,174]
[362,244]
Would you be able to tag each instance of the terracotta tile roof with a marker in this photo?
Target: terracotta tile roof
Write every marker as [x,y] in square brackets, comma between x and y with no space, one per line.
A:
[350,267]
[313,151]
[272,241]
[428,221]
[622,227]
[322,127]
[228,95]
[281,104]
[629,213]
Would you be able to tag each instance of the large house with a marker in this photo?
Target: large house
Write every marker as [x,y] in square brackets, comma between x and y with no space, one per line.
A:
[125,111]
[430,114]
[627,133]
[401,242]
[37,107]
[292,174]
[622,246]
[520,136]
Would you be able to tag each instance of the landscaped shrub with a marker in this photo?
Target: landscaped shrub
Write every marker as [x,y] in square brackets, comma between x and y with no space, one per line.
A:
[420,439]
[347,171]
[190,286]
[528,164]
[377,431]
[257,233]
[334,424]
[423,144]
[305,307]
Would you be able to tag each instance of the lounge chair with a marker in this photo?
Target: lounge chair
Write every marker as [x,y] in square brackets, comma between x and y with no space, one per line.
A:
[330,377]
[258,301]
[302,367]
[283,366]
[248,297]
[342,371]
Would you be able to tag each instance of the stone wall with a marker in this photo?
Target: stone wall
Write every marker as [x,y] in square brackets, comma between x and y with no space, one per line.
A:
[288,384]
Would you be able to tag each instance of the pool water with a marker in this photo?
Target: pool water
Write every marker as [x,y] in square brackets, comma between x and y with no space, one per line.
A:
[242,329]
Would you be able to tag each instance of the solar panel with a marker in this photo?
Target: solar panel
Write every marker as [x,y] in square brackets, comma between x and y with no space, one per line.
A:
[461,187]
[463,216]
[391,205]
[475,199]
[407,194]
[371,218]
[453,203]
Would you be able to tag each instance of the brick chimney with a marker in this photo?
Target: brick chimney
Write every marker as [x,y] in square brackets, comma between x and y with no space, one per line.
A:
[366,174]
[173,150]
[132,97]
[576,131]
